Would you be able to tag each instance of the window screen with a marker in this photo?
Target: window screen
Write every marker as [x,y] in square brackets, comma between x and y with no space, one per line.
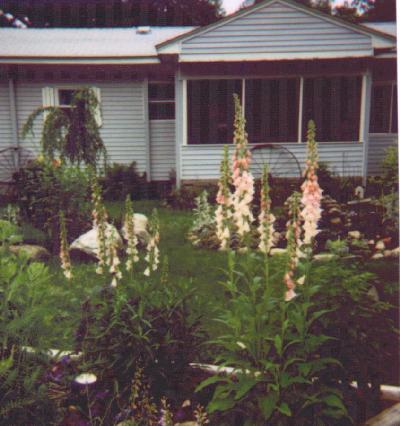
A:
[334,104]
[211,110]
[271,110]
[383,108]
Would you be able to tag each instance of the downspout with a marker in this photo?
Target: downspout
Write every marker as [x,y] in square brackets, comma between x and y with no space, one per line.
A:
[364,122]
[178,126]
[13,116]
[147,129]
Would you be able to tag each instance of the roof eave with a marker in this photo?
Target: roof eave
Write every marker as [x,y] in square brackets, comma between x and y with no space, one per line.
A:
[79,61]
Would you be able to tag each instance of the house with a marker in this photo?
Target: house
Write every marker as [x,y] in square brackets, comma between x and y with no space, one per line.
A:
[166,92]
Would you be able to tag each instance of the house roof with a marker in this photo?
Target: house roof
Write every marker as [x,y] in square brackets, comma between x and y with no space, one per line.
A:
[85,43]
[128,45]
[376,30]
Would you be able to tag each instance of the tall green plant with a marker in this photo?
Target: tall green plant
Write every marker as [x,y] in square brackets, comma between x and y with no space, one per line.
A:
[72,136]
[269,340]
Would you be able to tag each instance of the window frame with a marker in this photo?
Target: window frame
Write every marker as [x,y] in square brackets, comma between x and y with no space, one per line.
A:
[300,108]
[161,101]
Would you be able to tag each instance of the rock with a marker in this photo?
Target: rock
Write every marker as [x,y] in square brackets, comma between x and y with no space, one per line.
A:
[33,252]
[387,253]
[325,256]
[336,221]
[354,234]
[359,192]
[377,256]
[140,226]
[86,246]
[373,294]
[334,211]
[380,245]
[395,253]
[359,202]
[276,251]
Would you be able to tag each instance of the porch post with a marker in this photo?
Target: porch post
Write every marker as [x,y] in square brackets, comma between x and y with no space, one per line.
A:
[300,118]
[364,121]
[179,125]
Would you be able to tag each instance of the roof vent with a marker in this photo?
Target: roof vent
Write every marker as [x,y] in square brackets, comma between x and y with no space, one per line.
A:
[143,30]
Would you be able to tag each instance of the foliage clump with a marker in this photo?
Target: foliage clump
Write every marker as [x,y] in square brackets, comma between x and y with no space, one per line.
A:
[44,188]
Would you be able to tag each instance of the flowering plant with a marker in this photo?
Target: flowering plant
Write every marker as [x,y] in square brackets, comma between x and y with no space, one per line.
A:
[242,178]
[224,213]
[153,254]
[269,341]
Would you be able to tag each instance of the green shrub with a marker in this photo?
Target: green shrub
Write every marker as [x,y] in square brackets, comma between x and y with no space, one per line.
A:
[25,320]
[43,189]
[185,197]
[121,180]
[390,166]
[363,332]
[145,324]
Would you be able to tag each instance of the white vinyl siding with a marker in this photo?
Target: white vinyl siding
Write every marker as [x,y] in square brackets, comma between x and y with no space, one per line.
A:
[123,120]
[162,152]
[5,118]
[203,162]
[6,135]
[276,31]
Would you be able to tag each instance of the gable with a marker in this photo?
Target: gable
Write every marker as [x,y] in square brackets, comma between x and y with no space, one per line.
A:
[278,30]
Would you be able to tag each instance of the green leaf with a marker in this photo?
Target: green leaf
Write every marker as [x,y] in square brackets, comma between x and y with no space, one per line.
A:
[305,368]
[334,401]
[211,380]
[220,405]
[244,385]
[284,409]
[268,404]
[278,344]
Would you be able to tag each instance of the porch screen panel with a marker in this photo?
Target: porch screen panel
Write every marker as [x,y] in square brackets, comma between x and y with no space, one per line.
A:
[334,104]
[211,110]
[383,108]
[271,110]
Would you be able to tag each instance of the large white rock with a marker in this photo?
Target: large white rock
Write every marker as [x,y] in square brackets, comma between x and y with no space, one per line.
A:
[88,244]
[140,223]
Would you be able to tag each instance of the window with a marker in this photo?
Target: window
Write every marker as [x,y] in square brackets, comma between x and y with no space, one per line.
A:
[271,110]
[211,110]
[161,101]
[384,108]
[65,99]
[334,104]
[62,97]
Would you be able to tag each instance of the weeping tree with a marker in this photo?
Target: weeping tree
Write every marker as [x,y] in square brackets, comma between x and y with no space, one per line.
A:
[70,134]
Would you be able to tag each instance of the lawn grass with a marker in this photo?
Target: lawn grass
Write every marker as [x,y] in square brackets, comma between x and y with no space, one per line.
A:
[201,269]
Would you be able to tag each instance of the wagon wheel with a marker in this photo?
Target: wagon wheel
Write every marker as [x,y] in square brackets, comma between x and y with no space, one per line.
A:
[12,159]
[281,162]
